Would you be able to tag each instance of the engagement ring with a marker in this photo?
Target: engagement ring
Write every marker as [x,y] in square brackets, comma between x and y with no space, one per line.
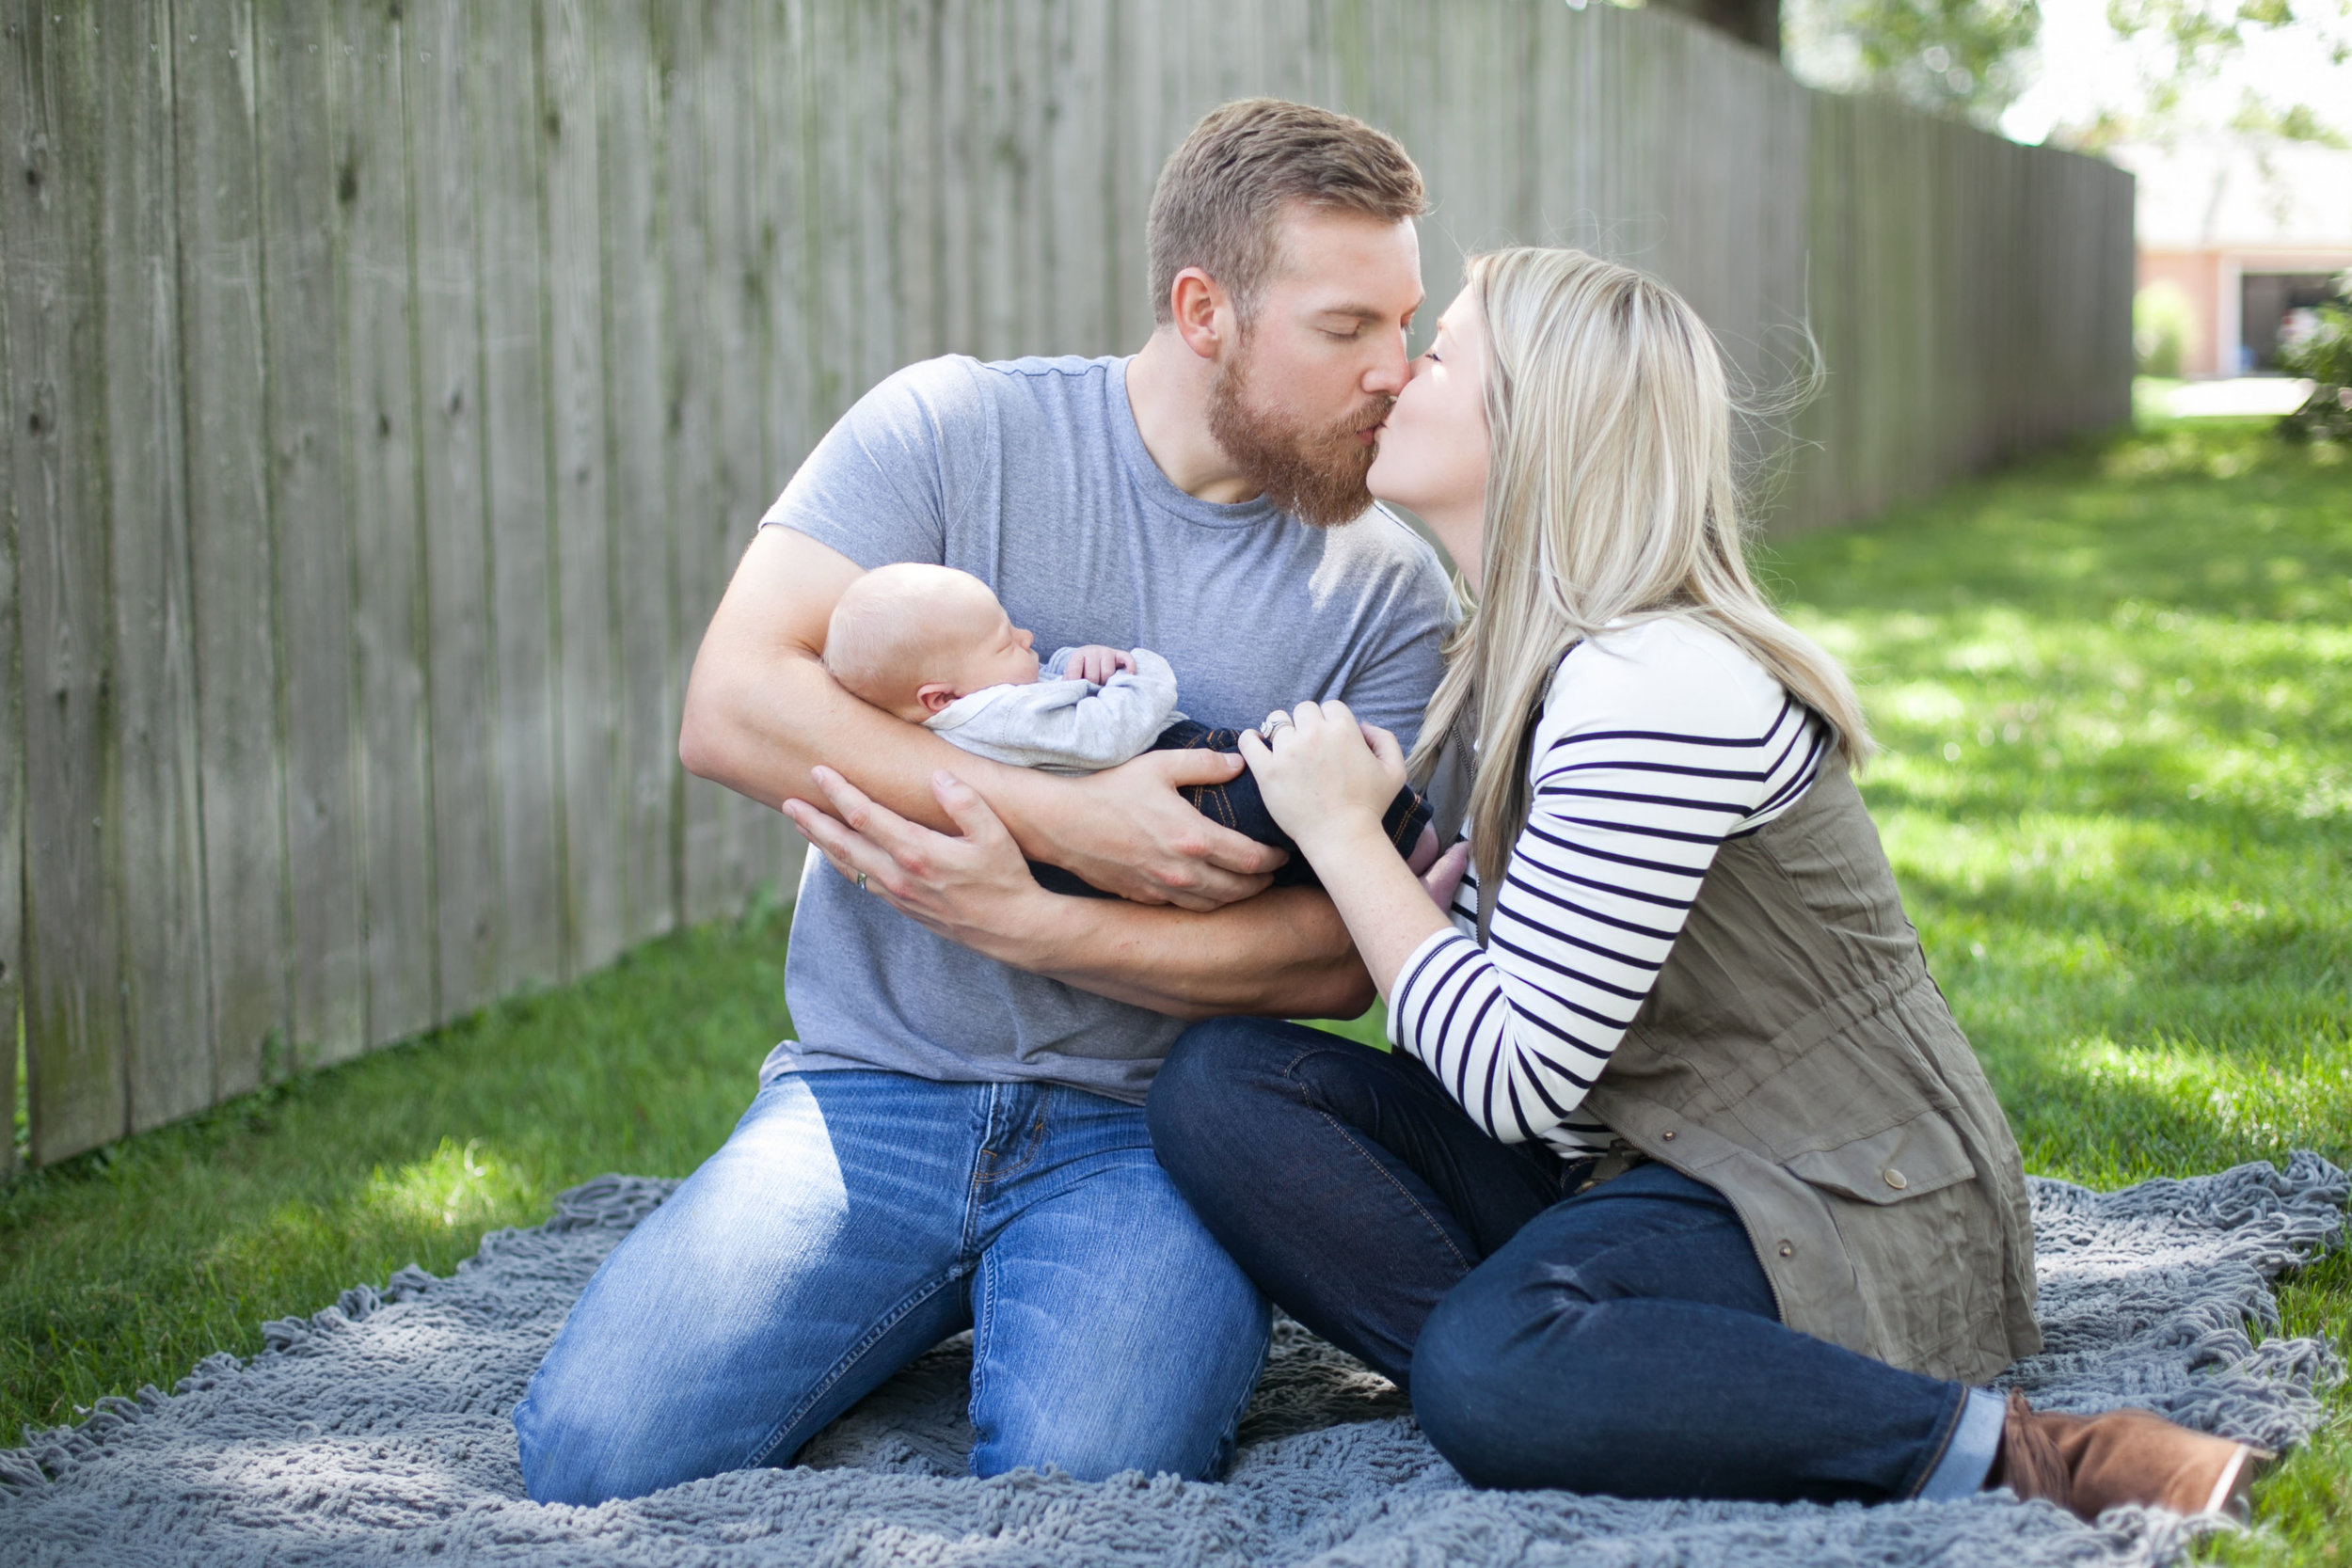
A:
[1275,720]
[861,882]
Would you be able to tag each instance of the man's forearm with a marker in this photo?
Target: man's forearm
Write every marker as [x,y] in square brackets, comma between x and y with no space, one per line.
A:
[1283,954]
[761,738]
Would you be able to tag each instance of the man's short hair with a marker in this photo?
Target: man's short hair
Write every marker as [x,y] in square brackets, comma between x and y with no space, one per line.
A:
[1222,195]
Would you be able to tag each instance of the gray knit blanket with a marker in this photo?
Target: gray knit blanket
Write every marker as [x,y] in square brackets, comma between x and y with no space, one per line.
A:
[376,1430]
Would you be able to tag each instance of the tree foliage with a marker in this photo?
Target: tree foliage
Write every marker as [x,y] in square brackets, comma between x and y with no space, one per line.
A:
[1972,58]
[2322,353]
[1966,58]
[2190,44]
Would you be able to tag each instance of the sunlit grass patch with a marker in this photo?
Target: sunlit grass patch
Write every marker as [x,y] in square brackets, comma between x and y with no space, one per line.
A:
[2115,690]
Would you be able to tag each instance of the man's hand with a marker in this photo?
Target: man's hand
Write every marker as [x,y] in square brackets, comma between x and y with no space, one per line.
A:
[1136,836]
[1285,955]
[975,889]
[1097,663]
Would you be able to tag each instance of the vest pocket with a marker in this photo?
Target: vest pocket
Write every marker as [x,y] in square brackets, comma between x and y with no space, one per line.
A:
[1921,1156]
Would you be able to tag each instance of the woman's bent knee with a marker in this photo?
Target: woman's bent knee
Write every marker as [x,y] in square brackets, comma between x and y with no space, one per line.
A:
[1201,1096]
[1470,1389]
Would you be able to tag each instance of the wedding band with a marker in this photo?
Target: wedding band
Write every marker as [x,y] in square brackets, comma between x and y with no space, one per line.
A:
[1274,721]
[861,882]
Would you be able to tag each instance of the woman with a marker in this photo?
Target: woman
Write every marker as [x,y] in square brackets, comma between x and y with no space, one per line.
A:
[1681,1181]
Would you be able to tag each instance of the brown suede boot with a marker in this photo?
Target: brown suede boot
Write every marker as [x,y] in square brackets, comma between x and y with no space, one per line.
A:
[2088,1463]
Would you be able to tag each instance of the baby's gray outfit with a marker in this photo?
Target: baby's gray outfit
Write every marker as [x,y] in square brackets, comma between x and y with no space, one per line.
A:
[1065,726]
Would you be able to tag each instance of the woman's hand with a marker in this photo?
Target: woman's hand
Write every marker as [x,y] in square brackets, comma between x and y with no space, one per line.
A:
[975,889]
[1325,776]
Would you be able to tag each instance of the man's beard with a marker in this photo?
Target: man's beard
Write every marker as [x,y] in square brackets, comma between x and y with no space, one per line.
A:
[1314,474]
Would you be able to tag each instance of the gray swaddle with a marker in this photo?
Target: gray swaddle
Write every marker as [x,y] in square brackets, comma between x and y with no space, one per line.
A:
[1064,725]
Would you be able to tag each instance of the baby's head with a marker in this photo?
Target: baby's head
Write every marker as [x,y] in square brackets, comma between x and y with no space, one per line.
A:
[911,639]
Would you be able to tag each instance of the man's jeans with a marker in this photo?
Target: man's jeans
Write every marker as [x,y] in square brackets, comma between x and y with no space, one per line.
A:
[853,1221]
[1623,1340]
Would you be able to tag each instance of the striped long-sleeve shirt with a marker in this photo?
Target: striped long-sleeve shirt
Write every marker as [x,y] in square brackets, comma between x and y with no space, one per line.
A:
[1657,742]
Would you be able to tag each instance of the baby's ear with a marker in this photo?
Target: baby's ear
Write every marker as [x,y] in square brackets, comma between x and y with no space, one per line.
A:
[934,695]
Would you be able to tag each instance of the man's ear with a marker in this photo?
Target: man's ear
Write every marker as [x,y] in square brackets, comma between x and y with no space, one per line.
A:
[1203,312]
[934,695]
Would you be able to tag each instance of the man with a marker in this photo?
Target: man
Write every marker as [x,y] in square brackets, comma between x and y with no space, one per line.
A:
[956,1139]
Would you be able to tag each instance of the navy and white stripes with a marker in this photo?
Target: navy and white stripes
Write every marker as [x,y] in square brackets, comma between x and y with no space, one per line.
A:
[1657,743]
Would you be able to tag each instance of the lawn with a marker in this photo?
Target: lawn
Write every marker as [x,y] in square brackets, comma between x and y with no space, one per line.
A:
[2115,690]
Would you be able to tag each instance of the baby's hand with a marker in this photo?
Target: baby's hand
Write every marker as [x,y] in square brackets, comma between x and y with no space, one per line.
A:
[1096,663]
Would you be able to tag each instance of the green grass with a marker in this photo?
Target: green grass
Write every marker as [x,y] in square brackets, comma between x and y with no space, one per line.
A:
[2115,689]
[129,1265]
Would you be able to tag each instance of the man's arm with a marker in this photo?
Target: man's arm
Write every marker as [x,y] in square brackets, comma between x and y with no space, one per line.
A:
[1285,953]
[761,711]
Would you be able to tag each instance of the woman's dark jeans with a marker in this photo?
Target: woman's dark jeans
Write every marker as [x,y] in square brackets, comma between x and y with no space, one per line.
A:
[1624,1340]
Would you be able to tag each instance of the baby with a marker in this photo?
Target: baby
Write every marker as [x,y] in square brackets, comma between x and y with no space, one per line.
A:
[932,646]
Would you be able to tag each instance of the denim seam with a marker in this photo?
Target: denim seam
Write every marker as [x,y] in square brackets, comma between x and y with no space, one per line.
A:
[976,1178]
[1222,1454]
[1290,1070]
[1917,1483]
[983,1335]
[842,1366]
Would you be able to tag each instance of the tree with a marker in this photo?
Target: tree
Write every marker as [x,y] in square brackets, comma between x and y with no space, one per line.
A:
[2187,47]
[1966,58]
[2192,62]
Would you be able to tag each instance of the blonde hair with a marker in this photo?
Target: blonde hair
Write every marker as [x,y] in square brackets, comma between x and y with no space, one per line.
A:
[901,624]
[1611,497]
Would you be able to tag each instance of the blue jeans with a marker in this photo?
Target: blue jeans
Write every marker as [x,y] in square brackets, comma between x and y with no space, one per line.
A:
[854,1220]
[1620,1340]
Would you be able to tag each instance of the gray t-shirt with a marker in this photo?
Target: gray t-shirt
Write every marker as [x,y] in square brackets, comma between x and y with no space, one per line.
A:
[1032,476]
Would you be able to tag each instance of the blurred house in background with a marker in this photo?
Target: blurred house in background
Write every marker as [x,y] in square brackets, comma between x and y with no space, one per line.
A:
[2236,237]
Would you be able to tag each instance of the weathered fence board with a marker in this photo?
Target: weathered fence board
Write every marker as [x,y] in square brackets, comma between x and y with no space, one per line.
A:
[234,996]
[382,458]
[14,413]
[73,998]
[449,413]
[504,122]
[325,956]
[391,388]
[152,881]
[645,740]
[582,523]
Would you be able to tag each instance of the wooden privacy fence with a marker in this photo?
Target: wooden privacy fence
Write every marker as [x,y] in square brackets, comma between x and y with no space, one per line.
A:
[389,386]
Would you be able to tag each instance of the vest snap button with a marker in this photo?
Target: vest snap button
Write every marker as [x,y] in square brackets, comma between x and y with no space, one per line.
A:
[1896,1178]
[1788,1249]
[1668,1137]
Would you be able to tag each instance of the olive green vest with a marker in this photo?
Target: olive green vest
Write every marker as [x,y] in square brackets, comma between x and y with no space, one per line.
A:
[1796,1057]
